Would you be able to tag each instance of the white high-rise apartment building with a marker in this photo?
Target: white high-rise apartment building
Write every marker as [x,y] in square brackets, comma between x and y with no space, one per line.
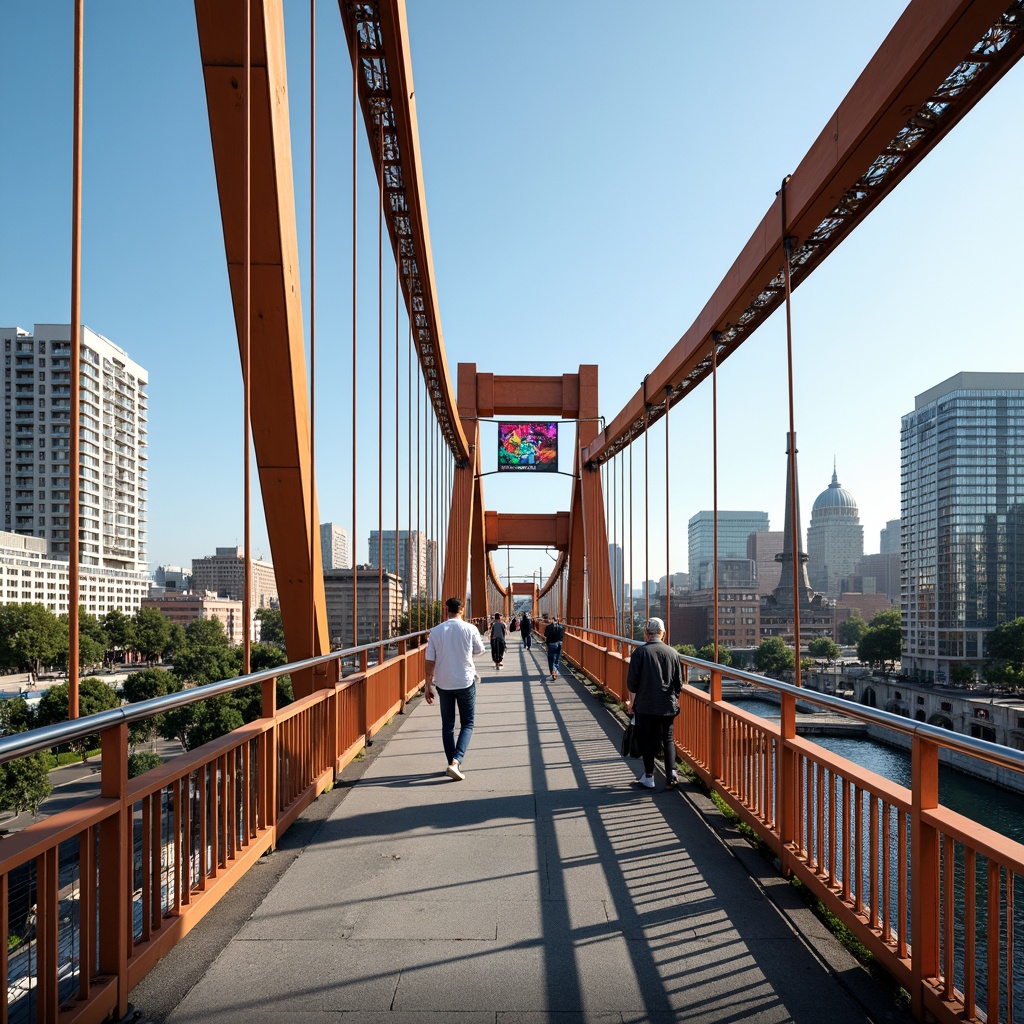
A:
[961,520]
[334,546]
[113,439]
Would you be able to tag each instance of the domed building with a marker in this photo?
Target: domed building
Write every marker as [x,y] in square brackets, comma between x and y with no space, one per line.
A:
[835,539]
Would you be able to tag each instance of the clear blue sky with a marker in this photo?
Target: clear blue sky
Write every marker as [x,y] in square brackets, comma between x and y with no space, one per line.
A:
[591,171]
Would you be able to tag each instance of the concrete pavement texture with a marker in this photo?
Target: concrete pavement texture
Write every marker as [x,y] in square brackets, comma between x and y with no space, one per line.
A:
[543,888]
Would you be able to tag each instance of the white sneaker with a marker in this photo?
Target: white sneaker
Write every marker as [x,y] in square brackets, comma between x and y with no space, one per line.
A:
[456,773]
[647,781]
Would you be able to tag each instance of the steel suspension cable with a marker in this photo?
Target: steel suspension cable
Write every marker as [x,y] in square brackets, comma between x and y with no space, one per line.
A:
[610,496]
[247,352]
[714,486]
[380,386]
[419,466]
[787,246]
[408,488]
[74,347]
[355,253]
[398,440]
[668,522]
[632,545]
[647,515]
[622,520]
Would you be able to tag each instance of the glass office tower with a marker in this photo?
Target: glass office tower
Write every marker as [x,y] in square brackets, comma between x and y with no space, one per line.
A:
[962,519]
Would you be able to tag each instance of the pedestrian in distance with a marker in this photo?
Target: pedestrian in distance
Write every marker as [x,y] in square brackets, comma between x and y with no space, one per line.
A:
[526,630]
[654,681]
[499,640]
[554,635]
[449,668]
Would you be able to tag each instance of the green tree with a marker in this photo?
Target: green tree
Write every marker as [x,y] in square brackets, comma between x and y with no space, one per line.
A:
[774,657]
[148,684]
[422,614]
[962,675]
[196,724]
[25,783]
[687,650]
[152,631]
[30,637]
[271,627]
[823,647]
[206,655]
[1004,647]
[94,696]
[175,640]
[120,630]
[92,641]
[140,762]
[707,653]
[1005,643]
[882,644]
[16,715]
[851,630]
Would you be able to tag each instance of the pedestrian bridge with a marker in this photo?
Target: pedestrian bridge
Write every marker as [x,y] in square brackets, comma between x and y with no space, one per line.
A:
[542,887]
[544,884]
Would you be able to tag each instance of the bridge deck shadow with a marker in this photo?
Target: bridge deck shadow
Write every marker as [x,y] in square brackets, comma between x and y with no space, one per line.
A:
[545,887]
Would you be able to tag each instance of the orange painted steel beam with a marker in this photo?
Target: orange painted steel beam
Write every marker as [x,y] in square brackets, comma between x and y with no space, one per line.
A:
[280,406]
[527,396]
[462,521]
[386,96]
[508,528]
[939,59]
[589,536]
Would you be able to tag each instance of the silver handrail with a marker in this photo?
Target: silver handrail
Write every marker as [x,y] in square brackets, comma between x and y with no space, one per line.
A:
[21,744]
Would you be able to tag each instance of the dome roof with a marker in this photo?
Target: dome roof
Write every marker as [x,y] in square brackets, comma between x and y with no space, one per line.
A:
[836,500]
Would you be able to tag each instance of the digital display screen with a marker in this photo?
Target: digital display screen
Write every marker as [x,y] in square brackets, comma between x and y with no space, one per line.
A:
[528,447]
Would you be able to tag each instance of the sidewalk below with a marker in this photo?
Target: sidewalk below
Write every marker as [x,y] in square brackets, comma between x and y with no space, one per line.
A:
[545,887]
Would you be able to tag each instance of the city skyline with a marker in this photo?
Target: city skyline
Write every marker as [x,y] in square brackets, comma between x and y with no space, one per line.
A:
[872,327]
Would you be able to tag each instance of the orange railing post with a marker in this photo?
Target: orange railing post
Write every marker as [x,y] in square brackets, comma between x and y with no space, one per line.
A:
[115,864]
[924,871]
[267,767]
[786,784]
[715,738]
[403,675]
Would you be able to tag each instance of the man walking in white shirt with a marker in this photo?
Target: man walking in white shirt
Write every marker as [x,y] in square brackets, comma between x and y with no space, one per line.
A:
[449,667]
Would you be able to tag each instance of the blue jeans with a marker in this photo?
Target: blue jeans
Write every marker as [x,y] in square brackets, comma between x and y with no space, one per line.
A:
[554,657]
[466,701]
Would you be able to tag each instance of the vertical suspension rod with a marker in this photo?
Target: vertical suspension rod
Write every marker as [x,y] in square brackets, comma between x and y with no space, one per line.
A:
[74,469]
[787,246]
[668,529]
[355,390]
[246,355]
[380,393]
[714,487]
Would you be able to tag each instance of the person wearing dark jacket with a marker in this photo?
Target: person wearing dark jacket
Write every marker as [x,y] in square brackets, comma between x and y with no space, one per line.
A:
[554,635]
[526,629]
[655,681]
[499,634]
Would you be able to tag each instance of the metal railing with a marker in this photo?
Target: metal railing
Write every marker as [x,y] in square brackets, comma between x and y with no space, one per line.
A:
[931,893]
[92,897]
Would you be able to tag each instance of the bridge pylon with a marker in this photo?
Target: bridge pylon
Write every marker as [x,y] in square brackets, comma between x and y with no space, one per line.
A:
[579,534]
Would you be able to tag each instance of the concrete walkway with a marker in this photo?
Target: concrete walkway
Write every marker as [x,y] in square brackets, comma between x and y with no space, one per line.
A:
[543,888]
